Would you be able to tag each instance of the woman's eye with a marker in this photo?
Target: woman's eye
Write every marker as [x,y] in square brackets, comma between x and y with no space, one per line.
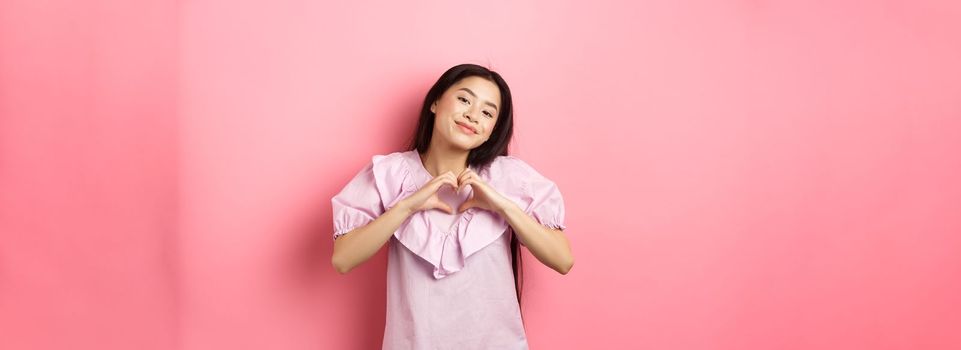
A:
[462,99]
[489,115]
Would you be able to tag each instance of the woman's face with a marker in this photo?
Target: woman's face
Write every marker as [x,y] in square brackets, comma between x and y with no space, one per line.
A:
[465,114]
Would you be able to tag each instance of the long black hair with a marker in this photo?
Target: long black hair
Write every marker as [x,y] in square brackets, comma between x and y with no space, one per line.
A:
[484,154]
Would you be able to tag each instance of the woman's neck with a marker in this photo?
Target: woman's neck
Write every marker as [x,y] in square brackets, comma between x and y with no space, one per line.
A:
[438,160]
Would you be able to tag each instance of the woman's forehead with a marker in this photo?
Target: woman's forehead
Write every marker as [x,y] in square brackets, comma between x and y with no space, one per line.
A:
[479,87]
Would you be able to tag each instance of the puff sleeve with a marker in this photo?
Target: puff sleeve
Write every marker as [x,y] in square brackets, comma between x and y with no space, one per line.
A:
[534,193]
[358,203]
[547,203]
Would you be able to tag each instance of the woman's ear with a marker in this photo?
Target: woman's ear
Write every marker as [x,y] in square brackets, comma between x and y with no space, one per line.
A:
[432,106]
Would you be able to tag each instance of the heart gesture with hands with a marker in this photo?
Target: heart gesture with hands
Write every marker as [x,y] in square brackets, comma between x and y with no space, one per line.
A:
[483,196]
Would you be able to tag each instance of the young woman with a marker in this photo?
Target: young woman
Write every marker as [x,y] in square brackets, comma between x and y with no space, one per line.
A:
[449,280]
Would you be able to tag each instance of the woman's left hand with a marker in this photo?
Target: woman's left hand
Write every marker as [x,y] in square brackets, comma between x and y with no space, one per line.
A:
[484,196]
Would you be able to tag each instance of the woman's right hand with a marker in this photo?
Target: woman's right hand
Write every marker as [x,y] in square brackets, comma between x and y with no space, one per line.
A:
[426,197]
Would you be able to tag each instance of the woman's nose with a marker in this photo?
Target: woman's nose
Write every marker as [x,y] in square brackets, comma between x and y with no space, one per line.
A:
[470,112]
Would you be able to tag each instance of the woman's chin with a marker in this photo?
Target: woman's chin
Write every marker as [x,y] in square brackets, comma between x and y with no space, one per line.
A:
[462,141]
[462,144]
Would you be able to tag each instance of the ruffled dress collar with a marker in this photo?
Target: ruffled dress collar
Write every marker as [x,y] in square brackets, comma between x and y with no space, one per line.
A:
[399,174]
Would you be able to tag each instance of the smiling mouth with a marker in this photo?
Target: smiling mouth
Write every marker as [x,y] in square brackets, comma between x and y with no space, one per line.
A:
[466,128]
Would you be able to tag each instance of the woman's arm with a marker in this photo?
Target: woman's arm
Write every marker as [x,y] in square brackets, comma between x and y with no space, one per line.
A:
[548,245]
[362,243]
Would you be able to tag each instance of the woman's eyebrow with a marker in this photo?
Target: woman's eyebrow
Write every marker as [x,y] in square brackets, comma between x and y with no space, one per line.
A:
[475,96]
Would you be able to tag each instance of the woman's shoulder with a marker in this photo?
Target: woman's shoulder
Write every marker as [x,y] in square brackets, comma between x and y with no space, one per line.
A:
[520,180]
[391,163]
[514,166]
[396,156]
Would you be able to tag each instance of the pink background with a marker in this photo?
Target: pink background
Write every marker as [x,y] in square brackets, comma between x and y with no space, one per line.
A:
[738,175]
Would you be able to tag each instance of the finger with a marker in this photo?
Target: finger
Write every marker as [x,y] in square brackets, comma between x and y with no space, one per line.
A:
[466,205]
[464,181]
[448,174]
[465,174]
[446,208]
[446,182]
[442,180]
[453,179]
[470,181]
